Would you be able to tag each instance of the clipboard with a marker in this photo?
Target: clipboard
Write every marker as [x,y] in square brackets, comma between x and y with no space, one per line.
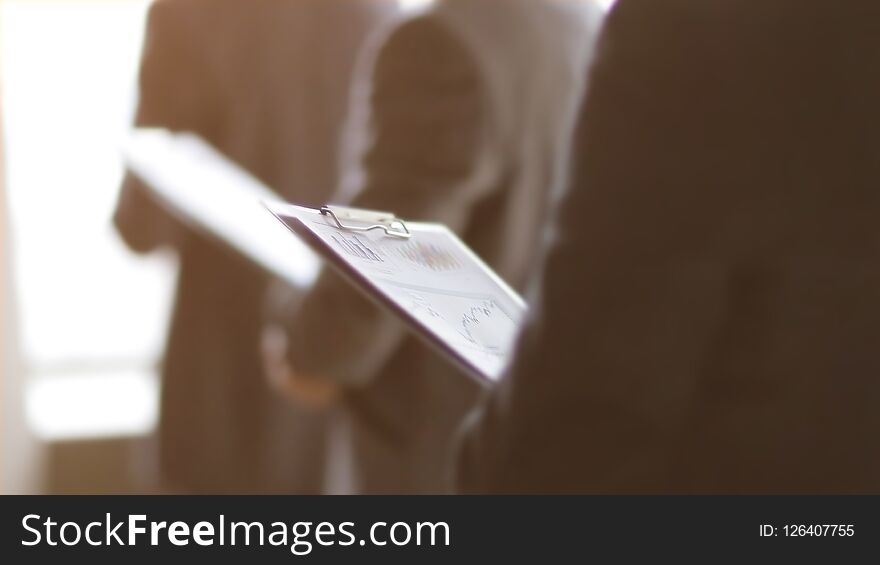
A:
[425,275]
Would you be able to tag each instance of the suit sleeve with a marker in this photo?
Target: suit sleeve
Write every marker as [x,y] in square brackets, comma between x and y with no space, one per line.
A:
[630,298]
[424,121]
[172,95]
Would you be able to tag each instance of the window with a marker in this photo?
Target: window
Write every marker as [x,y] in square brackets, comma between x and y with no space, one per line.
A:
[91,317]
[413,4]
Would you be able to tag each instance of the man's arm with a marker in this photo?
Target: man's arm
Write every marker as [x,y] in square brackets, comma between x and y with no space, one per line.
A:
[633,290]
[171,95]
[425,121]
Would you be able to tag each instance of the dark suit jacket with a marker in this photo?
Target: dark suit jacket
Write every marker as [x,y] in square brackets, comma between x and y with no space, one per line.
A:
[267,83]
[709,313]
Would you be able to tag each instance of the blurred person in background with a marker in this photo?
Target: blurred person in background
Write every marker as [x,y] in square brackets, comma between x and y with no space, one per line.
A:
[468,110]
[266,82]
[708,318]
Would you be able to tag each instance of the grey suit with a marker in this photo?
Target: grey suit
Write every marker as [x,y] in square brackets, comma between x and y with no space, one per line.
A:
[267,83]
[467,113]
[709,315]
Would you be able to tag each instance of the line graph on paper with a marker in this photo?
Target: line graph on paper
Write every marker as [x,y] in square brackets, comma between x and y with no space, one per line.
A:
[473,321]
[487,326]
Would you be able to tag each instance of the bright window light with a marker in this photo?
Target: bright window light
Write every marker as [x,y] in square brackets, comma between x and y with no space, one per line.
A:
[413,4]
[64,406]
[84,301]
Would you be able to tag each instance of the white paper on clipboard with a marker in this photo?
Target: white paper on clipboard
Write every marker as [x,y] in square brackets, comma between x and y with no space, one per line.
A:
[429,278]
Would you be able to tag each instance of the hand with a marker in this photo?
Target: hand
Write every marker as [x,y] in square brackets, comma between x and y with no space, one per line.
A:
[305,390]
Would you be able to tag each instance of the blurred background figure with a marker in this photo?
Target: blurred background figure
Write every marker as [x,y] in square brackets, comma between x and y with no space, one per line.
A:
[267,82]
[709,314]
[468,109]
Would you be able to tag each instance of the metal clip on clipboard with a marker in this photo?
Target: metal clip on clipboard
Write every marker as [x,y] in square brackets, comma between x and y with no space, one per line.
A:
[385,221]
